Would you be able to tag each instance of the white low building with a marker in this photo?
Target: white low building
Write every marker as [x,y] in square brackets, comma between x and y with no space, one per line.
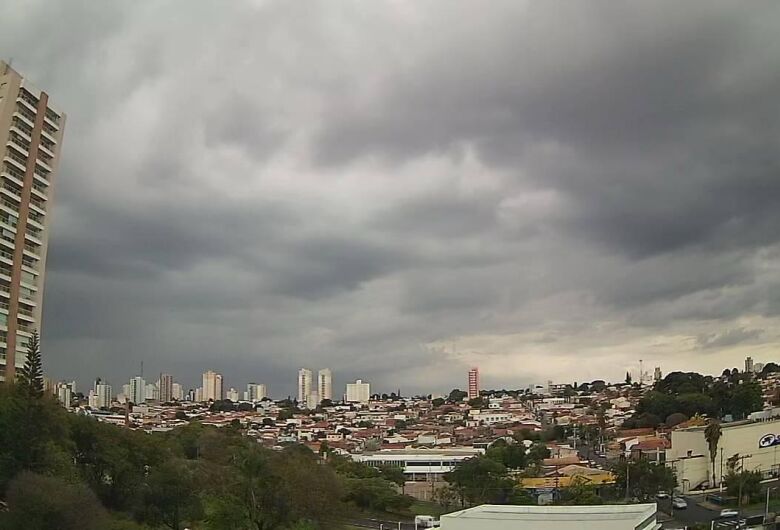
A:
[509,517]
[419,464]
[757,443]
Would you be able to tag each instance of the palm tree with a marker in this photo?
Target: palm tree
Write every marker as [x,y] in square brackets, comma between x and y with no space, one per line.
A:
[31,374]
[712,434]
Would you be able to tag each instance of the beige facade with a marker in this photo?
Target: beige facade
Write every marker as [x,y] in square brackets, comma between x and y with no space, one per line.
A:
[31,130]
[757,441]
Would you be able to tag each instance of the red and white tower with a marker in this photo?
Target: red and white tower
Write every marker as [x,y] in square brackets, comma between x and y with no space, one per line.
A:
[474,383]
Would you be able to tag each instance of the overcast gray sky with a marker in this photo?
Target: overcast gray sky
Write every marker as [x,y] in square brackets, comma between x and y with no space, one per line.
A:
[400,190]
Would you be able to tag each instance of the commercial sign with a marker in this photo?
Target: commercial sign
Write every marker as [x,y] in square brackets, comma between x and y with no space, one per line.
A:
[768,440]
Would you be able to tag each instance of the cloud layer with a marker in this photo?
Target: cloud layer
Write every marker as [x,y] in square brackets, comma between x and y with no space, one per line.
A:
[400,190]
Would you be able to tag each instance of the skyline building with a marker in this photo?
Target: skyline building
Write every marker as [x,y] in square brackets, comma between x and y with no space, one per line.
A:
[304,387]
[177,392]
[473,388]
[255,392]
[166,388]
[748,365]
[212,386]
[325,384]
[31,130]
[137,390]
[358,392]
[104,396]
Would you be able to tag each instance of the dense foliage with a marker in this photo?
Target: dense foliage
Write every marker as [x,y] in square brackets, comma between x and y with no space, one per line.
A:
[688,394]
[79,473]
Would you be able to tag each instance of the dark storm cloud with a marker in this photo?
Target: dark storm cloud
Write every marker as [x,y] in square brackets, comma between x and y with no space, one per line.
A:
[400,190]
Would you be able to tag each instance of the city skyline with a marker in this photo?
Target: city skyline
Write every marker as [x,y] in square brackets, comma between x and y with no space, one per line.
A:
[550,199]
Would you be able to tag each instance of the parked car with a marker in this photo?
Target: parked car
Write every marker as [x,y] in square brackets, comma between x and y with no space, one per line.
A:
[728,513]
[662,495]
[679,503]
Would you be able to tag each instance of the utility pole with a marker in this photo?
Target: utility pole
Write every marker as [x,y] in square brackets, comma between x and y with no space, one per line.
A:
[628,470]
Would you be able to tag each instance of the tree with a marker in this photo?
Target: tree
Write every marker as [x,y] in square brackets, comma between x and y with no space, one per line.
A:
[480,480]
[476,403]
[438,402]
[644,478]
[580,492]
[748,483]
[31,374]
[170,497]
[456,396]
[675,419]
[712,434]
[538,452]
[36,501]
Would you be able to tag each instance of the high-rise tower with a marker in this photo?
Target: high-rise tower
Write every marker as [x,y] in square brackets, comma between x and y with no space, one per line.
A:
[31,130]
[325,384]
[304,387]
[474,383]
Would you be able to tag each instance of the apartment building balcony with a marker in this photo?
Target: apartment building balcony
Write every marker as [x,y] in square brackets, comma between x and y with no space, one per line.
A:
[15,160]
[27,104]
[25,116]
[41,161]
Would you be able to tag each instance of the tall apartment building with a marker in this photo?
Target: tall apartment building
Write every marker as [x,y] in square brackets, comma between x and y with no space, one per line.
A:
[137,390]
[474,383]
[31,130]
[358,392]
[304,387]
[748,365]
[166,388]
[103,392]
[177,392]
[212,386]
[255,392]
[325,384]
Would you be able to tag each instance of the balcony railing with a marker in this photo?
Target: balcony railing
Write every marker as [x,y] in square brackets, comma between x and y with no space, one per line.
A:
[6,254]
[39,187]
[12,205]
[19,124]
[13,156]
[13,172]
[34,249]
[53,116]
[26,113]
[38,204]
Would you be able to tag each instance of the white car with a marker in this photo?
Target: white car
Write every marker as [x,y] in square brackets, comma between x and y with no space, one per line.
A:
[661,495]
[679,503]
[728,512]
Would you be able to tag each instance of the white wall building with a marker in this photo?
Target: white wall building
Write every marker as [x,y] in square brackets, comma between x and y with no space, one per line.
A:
[137,393]
[757,441]
[65,394]
[304,387]
[419,464]
[104,395]
[255,392]
[325,384]
[232,395]
[177,392]
[358,392]
[509,517]
[212,386]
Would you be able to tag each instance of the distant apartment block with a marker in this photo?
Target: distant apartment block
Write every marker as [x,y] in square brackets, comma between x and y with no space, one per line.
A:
[358,392]
[31,129]
[166,388]
[325,384]
[473,387]
[304,388]
[212,386]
